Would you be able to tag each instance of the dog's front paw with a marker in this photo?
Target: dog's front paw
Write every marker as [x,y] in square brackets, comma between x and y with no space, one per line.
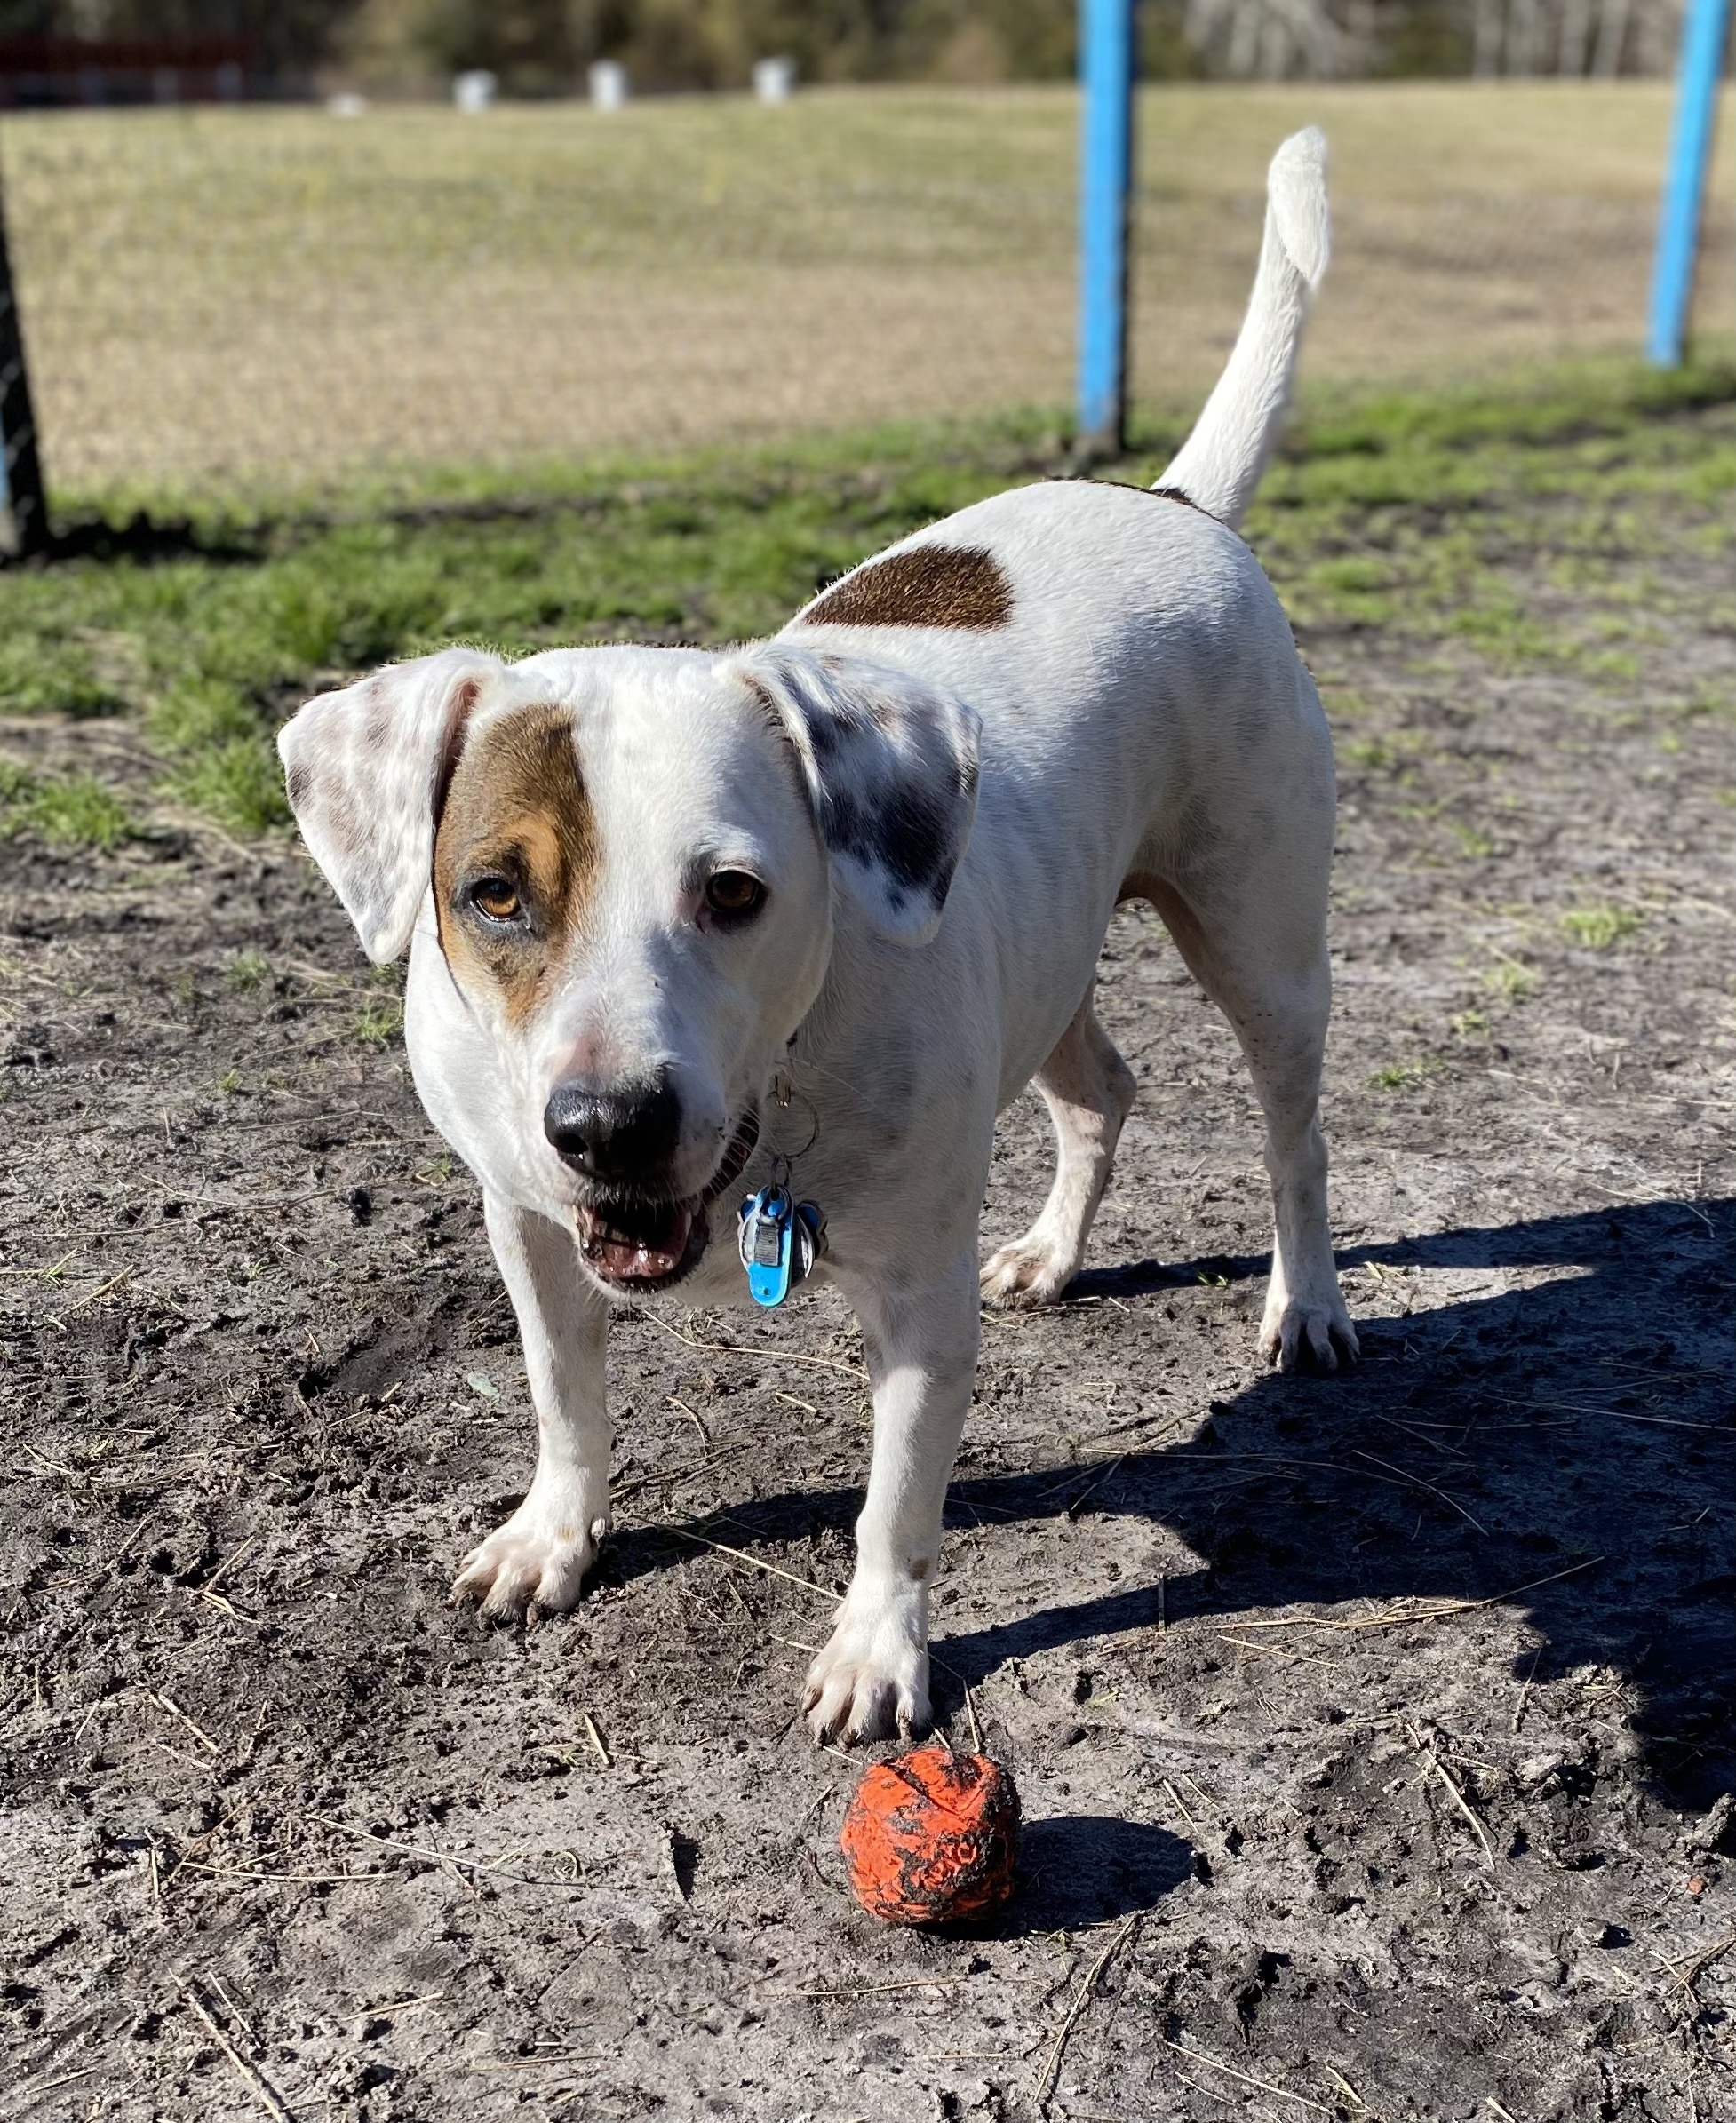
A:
[872,1680]
[534,1564]
[1026,1274]
[1307,1332]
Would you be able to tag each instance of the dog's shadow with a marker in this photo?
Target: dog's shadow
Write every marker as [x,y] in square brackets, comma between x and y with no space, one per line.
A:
[1567,1449]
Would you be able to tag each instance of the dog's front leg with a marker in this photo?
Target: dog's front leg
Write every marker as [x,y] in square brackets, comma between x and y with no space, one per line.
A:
[534,1562]
[921,1342]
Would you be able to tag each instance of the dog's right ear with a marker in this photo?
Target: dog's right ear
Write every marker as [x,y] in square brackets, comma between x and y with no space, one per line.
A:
[366,768]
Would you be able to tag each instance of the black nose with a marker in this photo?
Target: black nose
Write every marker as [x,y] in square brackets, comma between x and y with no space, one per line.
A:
[624,1134]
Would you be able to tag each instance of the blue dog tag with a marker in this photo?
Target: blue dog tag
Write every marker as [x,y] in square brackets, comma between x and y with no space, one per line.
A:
[779,1240]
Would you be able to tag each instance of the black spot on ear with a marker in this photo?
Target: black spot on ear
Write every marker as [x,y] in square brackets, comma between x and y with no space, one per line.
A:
[909,836]
[297,781]
[912,837]
[824,736]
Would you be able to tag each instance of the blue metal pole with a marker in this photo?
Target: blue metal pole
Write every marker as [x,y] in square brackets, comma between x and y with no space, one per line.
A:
[1703,36]
[1106,84]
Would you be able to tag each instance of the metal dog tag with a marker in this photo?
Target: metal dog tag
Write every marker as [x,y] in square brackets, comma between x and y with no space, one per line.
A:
[779,1240]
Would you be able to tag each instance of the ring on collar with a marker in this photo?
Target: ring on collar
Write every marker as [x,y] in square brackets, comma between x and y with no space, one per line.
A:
[780,1238]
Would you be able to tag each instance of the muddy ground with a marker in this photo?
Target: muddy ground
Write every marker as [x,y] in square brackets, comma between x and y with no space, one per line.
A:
[1374,1734]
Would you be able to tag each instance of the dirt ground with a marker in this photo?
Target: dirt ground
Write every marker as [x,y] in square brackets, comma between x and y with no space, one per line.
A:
[1375,1734]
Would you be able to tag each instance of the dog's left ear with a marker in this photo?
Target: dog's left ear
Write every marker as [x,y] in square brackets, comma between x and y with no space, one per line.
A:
[890,767]
[366,768]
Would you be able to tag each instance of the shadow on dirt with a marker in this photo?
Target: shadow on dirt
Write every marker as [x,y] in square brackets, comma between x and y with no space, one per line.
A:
[1077,1870]
[1567,1450]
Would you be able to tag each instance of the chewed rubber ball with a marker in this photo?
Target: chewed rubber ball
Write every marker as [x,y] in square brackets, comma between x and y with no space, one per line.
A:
[932,1837]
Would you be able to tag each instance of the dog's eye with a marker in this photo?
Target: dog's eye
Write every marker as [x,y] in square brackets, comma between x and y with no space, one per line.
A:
[734,893]
[495,899]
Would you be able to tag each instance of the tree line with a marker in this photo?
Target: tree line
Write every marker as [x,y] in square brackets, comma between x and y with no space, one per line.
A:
[543,47]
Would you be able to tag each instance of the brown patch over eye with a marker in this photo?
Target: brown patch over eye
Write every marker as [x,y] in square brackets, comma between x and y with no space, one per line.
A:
[930,585]
[515,854]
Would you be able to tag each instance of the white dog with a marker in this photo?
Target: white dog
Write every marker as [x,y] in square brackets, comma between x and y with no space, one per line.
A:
[674,916]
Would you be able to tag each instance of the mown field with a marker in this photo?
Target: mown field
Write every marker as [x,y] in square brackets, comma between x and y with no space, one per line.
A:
[1381,1727]
[218,296]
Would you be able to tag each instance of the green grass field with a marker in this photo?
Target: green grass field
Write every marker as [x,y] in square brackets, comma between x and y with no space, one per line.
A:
[1547,526]
[215,298]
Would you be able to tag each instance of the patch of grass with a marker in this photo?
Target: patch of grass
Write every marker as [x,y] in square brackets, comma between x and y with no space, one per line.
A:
[72,810]
[248,971]
[1471,838]
[1469,1024]
[380,1019]
[1598,926]
[1402,1075]
[1441,515]
[42,674]
[1509,981]
[1430,514]
[250,612]
[379,1023]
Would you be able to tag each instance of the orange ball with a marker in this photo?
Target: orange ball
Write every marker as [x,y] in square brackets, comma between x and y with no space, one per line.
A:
[932,1837]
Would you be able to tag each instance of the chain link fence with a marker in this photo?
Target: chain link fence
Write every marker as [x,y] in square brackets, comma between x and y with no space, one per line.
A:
[214,297]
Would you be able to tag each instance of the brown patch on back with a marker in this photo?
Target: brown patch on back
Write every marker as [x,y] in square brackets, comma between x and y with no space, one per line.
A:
[516,807]
[929,585]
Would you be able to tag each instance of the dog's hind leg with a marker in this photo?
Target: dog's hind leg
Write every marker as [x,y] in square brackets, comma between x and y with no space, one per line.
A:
[1089,1091]
[1272,980]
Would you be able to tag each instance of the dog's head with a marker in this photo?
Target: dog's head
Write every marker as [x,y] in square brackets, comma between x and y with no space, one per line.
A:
[634,860]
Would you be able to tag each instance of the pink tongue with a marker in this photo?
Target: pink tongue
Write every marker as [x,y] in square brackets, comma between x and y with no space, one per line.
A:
[623,1260]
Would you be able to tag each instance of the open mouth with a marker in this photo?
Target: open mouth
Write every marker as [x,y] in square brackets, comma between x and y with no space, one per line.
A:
[642,1243]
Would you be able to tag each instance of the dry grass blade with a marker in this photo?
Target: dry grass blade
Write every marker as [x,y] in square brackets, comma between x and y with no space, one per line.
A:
[1358,2104]
[1623,1415]
[263,2091]
[765,1355]
[90,1296]
[1436,1610]
[198,1864]
[870,1990]
[1107,1474]
[595,1738]
[1696,1964]
[173,1709]
[224,1568]
[1051,2071]
[1181,1806]
[739,1554]
[1417,1482]
[479,1867]
[1199,2056]
[29,2096]
[1460,1800]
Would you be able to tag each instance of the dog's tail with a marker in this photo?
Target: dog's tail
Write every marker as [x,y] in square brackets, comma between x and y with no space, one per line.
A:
[1219,465]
